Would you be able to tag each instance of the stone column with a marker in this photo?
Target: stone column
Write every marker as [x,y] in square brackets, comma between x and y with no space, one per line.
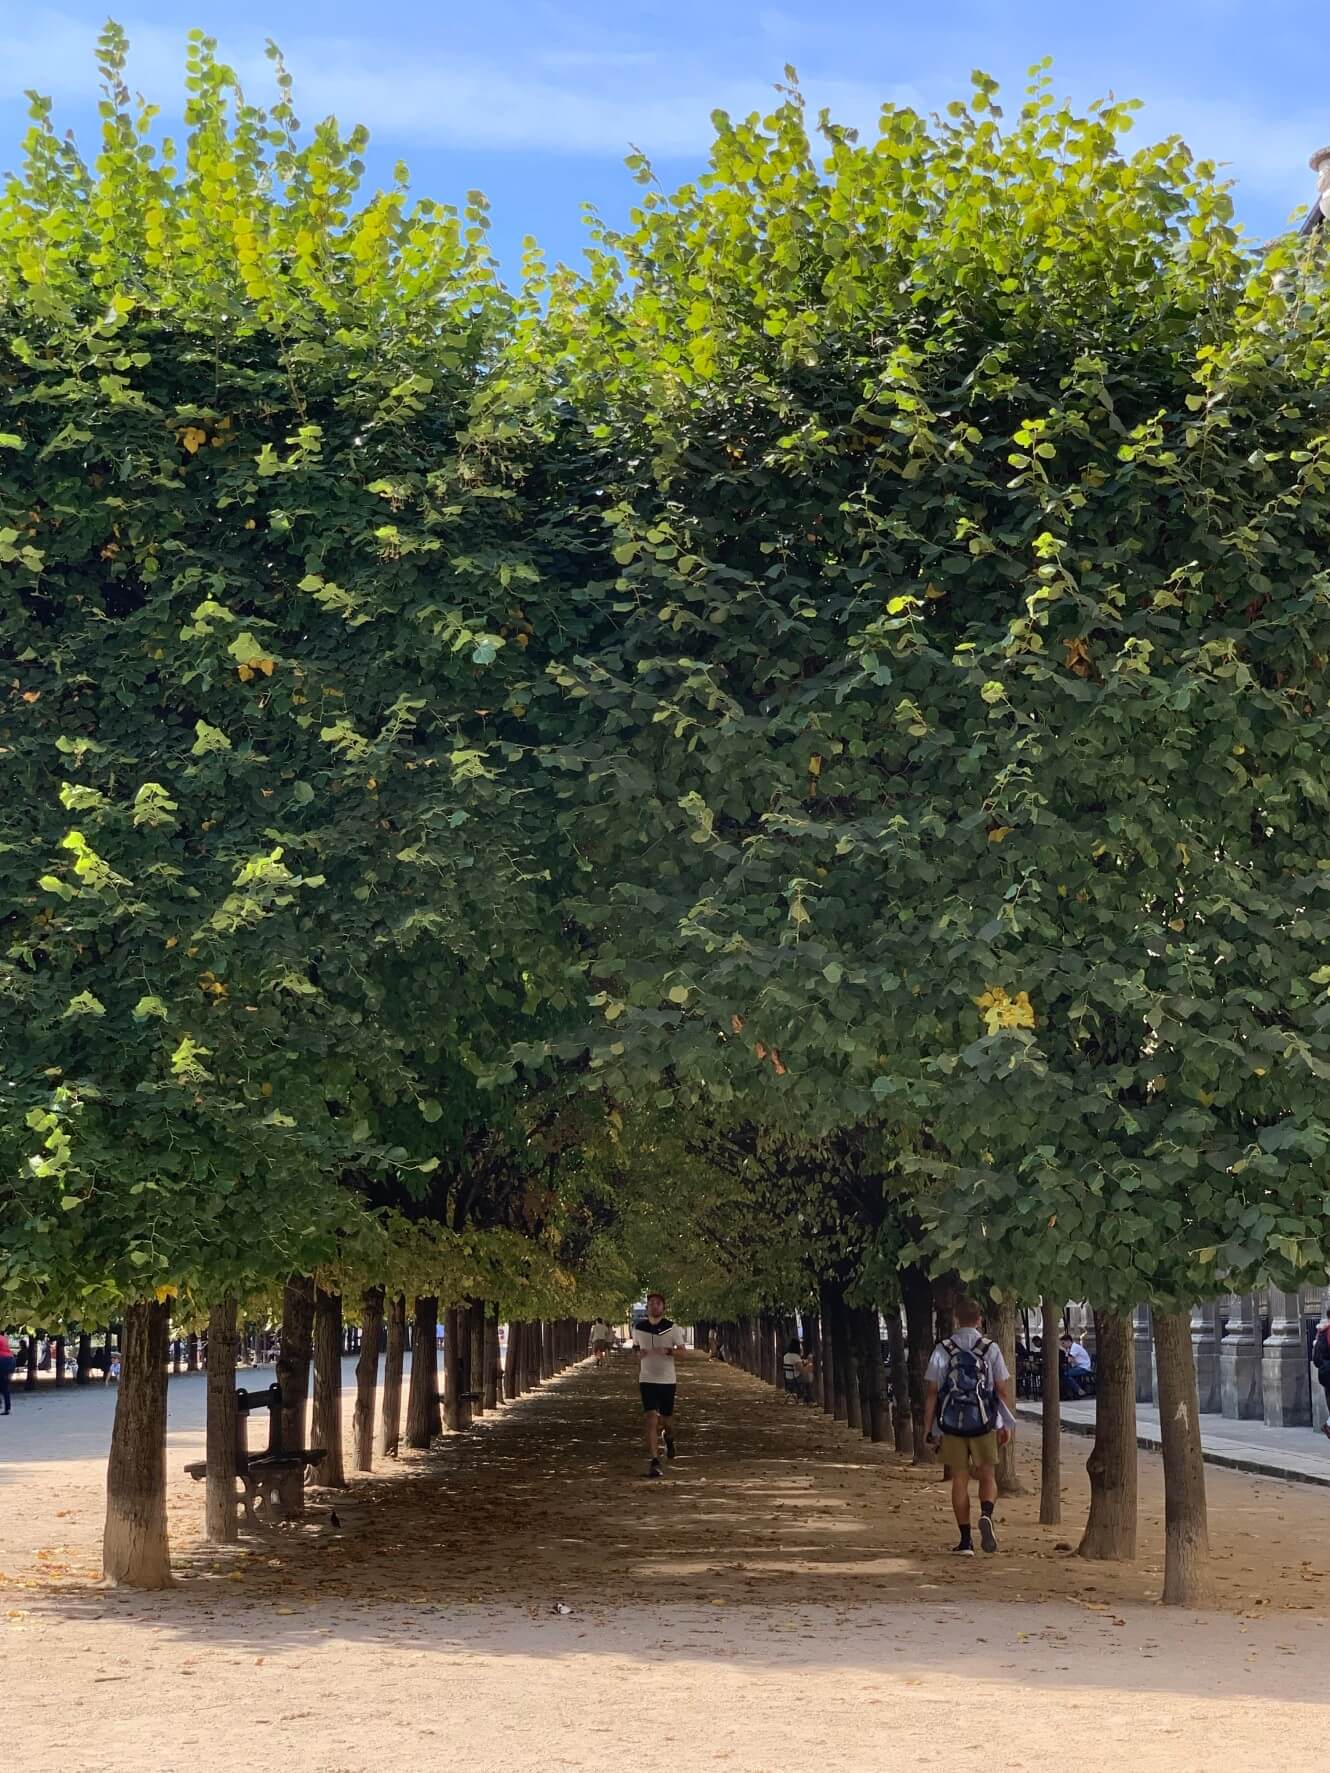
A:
[1240,1362]
[1205,1349]
[1143,1343]
[1285,1373]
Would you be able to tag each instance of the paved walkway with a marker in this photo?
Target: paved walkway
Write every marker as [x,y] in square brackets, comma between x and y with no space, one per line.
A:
[1302,1455]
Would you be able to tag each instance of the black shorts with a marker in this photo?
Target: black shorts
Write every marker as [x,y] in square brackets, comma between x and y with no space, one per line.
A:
[659,1398]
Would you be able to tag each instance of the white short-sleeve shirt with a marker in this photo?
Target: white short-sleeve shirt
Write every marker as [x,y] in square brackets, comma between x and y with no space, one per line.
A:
[658,1346]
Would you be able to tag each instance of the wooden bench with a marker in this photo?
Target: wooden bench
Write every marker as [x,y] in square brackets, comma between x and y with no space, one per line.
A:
[261,1475]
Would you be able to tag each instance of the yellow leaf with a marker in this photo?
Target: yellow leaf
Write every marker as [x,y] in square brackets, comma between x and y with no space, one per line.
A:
[193,439]
[162,1294]
[265,1089]
[998,832]
[244,673]
[815,766]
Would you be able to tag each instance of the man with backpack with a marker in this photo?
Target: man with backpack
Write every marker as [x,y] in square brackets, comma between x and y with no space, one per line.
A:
[966,1404]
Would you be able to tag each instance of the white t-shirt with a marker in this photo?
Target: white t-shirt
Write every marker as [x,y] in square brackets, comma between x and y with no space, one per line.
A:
[794,1365]
[1079,1356]
[657,1363]
[997,1367]
[601,1332]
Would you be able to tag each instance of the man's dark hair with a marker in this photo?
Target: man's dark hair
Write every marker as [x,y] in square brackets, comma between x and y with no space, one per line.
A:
[968,1311]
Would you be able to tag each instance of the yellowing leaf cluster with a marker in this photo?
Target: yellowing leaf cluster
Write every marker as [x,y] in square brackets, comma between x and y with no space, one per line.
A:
[1000,1010]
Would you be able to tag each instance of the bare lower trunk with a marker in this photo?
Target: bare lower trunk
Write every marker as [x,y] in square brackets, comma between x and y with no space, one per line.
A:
[847,1344]
[135,1549]
[902,1426]
[293,1377]
[390,1431]
[946,1290]
[1002,1328]
[327,1431]
[367,1377]
[220,1502]
[1050,1472]
[422,1404]
[454,1367]
[512,1367]
[475,1316]
[493,1370]
[191,1353]
[1110,1528]
[83,1358]
[918,1295]
[1187,1577]
[874,1374]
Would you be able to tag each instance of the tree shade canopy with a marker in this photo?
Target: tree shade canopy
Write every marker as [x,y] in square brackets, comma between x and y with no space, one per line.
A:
[794,749]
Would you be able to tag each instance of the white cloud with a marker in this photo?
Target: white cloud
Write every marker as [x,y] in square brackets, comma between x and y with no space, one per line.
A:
[568,101]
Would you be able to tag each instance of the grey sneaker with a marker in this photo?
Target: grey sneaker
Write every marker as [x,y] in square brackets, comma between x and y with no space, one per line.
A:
[987,1534]
[653,1470]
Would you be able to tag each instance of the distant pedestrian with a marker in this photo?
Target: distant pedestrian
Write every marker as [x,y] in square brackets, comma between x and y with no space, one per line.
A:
[1321,1361]
[7,1365]
[966,1406]
[793,1367]
[602,1337]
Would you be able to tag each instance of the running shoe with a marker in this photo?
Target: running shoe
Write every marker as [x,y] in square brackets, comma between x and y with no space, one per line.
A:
[963,1550]
[669,1444]
[987,1535]
[653,1470]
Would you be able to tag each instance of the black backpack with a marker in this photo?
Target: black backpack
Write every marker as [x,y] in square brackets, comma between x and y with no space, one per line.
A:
[967,1400]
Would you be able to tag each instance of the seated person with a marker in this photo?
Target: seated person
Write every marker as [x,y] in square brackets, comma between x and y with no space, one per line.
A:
[1076,1366]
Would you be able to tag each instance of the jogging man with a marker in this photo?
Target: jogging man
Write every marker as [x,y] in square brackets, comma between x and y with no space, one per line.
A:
[601,1338]
[966,1403]
[655,1340]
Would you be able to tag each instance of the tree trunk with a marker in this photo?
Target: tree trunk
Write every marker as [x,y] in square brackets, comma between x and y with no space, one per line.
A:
[367,1377]
[328,1340]
[946,1291]
[30,1378]
[1187,1577]
[546,1349]
[293,1376]
[512,1367]
[422,1404]
[390,1430]
[220,1482]
[848,1355]
[1002,1328]
[1110,1528]
[192,1353]
[1050,1473]
[902,1422]
[493,1370]
[83,1359]
[918,1294]
[476,1315]
[135,1549]
[875,1375]
[58,1360]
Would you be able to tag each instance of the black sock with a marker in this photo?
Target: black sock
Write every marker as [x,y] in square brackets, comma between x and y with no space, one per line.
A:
[987,1508]
[965,1534]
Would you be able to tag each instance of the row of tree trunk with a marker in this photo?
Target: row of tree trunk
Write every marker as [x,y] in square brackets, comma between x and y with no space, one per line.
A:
[851,1367]
[135,1546]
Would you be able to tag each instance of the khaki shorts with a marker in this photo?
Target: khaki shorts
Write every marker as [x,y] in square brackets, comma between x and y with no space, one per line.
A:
[969,1452]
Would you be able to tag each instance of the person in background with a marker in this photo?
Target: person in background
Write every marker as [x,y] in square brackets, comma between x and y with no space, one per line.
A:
[601,1338]
[793,1368]
[1076,1366]
[806,1375]
[1321,1361]
[7,1365]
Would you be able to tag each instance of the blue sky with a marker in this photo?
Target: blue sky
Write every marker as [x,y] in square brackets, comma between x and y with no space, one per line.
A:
[535,103]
